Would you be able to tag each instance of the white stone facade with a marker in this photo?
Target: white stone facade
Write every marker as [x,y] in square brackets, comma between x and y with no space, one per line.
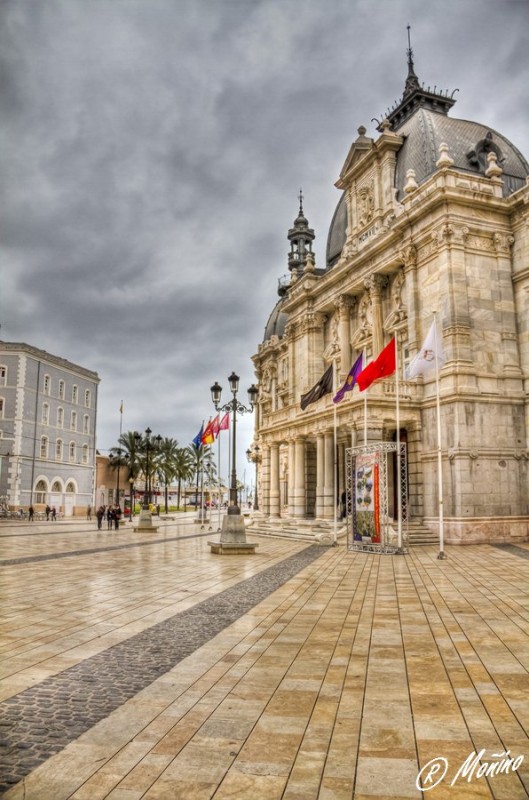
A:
[456,244]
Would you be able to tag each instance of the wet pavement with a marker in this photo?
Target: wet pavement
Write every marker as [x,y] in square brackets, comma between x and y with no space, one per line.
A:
[143,666]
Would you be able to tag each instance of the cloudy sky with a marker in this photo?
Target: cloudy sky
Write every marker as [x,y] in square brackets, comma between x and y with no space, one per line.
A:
[152,152]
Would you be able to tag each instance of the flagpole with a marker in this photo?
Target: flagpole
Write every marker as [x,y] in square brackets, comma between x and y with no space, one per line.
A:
[399,465]
[365,403]
[442,554]
[336,487]
[218,480]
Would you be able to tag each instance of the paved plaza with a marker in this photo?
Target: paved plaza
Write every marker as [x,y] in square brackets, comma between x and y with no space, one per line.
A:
[141,665]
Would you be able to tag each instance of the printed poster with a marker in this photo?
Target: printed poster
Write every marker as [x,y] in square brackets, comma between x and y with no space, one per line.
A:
[366,499]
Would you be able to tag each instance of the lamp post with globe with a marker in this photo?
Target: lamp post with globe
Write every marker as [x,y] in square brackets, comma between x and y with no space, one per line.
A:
[233,535]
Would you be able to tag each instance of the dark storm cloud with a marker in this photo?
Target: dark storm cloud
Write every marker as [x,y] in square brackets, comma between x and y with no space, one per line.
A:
[153,150]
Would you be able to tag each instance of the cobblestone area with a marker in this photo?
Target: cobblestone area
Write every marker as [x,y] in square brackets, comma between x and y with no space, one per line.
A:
[42,720]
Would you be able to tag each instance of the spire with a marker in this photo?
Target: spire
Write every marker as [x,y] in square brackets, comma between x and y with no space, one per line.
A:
[412,81]
[414,97]
[300,238]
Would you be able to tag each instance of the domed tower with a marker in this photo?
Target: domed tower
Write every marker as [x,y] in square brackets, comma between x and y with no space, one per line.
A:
[300,238]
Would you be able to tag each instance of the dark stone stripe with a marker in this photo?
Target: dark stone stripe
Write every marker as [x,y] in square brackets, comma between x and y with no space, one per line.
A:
[42,720]
[521,552]
[9,562]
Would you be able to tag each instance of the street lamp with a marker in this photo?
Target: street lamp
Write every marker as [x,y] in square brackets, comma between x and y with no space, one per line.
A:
[236,408]
[131,481]
[253,454]
[145,521]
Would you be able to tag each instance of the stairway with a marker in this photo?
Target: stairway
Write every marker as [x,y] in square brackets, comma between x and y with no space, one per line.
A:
[421,536]
[304,530]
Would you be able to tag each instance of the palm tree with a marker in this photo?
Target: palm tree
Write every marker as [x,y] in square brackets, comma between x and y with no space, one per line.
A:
[184,468]
[166,464]
[125,455]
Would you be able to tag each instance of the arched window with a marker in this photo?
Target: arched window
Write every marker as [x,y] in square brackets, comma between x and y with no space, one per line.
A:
[87,398]
[75,394]
[72,452]
[70,487]
[3,375]
[2,405]
[60,417]
[58,450]
[61,390]
[86,424]
[41,490]
[85,454]
[45,414]
[47,384]
[57,488]
[44,447]
[73,421]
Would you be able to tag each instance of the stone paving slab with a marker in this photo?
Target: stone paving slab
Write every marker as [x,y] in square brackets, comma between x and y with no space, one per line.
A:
[344,679]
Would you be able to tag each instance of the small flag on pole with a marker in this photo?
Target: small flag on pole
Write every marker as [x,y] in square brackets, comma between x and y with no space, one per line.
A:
[350,381]
[322,387]
[384,365]
[225,422]
[121,408]
[207,436]
[430,355]
[197,441]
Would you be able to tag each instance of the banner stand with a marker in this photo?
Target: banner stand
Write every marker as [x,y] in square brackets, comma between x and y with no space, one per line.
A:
[369,478]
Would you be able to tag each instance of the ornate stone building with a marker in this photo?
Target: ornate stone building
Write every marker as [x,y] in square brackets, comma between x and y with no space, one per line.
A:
[433,217]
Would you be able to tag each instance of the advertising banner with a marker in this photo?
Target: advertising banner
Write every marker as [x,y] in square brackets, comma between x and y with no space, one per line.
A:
[366,498]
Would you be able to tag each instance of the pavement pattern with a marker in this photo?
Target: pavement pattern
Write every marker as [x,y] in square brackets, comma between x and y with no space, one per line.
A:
[143,666]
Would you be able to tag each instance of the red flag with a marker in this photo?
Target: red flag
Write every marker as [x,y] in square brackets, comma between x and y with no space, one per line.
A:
[225,422]
[207,436]
[381,367]
[215,426]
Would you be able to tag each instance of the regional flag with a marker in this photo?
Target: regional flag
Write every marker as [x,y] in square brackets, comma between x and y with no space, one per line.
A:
[350,381]
[429,356]
[324,386]
[197,441]
[207,436]
[225,422]
[215,426]
[384,365]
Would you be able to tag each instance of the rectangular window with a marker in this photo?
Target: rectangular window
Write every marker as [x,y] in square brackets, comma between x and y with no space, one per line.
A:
[3,376]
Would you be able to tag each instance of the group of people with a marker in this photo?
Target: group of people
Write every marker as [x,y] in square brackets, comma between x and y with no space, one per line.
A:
[112,514]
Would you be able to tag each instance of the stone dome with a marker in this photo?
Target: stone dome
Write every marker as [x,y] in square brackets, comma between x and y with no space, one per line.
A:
[276,322]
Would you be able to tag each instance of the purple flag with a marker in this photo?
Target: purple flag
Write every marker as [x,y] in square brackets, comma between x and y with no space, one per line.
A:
[350,381]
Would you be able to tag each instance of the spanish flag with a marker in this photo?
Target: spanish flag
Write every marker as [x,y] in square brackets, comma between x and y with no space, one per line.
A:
[207,436]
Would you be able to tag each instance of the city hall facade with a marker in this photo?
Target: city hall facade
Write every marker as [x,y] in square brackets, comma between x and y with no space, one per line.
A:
[433,218]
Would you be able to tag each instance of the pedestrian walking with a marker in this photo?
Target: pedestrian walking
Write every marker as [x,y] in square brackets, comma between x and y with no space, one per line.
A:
[31,513]
[48,512]
[89,512]
[100,514]
[117,517]
[53,513]
[110,518]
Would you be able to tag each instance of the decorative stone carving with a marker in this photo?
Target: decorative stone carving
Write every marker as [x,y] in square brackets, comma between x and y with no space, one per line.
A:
[408,255]
[493,170]
[502,242]
[411,184]
[444,159]
[365,204]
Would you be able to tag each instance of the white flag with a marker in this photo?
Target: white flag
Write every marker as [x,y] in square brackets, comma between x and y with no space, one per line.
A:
[429,356]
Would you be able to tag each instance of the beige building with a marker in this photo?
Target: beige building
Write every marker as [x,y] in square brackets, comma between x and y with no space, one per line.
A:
[433,217]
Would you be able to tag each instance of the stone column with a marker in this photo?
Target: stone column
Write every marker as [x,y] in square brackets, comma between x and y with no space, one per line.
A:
[509,336]
[344,304]
[375,284]
[274,480]
[300,506]
[265,481]
[328,491]
[291,476]
[320,474]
